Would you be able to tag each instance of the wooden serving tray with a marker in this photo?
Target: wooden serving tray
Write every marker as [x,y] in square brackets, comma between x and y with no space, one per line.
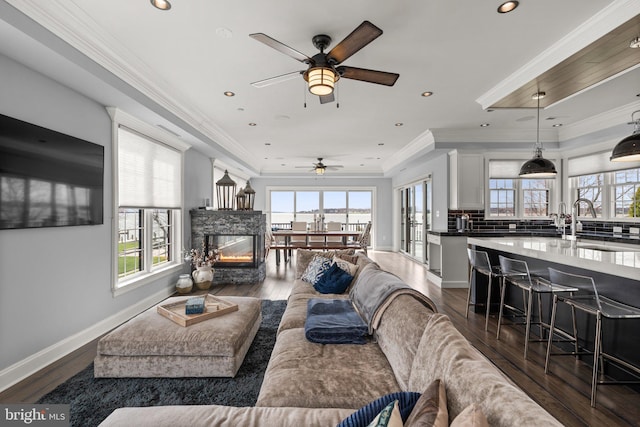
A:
[214,307]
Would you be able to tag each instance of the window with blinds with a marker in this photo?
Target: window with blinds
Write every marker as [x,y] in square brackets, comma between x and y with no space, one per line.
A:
[510,196]
[149,179]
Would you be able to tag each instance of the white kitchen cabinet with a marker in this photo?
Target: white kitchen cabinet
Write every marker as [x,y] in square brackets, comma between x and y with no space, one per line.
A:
[466,180]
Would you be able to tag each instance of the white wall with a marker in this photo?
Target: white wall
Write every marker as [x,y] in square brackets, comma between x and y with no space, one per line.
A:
[436,164]
[382,225]
[55,283]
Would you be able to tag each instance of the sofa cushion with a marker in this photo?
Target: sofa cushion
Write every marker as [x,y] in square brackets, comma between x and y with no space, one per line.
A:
[470,378]
[431,409]
[223,416]
[326,376]
[363,416]
[304,257]
[333,281]
[399,334]
[316,268]
[296,313]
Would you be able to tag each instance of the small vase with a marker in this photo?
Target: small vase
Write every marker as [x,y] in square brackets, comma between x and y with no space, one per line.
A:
[203,276]
[184,284]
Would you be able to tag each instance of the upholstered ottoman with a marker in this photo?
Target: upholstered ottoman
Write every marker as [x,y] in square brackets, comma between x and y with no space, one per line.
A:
[151,345]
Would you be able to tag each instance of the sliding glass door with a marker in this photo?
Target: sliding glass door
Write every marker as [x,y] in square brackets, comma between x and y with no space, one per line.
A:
[415,219]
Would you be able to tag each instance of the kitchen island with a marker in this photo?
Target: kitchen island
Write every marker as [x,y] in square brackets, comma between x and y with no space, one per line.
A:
[614,266]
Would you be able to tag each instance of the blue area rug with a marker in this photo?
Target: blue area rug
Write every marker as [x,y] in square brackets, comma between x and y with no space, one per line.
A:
[93,399]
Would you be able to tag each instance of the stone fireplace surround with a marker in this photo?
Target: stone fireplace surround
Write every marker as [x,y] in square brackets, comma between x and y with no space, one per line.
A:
[210,222]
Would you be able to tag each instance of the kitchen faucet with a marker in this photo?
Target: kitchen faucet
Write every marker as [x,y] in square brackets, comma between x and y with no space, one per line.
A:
[574,214]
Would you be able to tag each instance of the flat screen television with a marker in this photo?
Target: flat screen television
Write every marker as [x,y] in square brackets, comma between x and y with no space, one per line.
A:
[48,179]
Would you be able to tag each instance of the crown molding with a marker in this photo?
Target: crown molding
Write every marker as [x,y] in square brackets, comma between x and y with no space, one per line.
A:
[70,23]
[598,122]
[493,136]
[591,30]
[420,145]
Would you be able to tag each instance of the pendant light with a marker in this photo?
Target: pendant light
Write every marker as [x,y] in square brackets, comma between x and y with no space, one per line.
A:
[628,150]
[538,167]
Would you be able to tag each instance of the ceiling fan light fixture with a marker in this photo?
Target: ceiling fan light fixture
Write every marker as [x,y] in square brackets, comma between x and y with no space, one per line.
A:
[628,150]
[321,80]
[320,170]
[161,4]
[635,43]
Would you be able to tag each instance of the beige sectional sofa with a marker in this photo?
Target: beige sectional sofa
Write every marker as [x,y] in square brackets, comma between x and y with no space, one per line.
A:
[309,384]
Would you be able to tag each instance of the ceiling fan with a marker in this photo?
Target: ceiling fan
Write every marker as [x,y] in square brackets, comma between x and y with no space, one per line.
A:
[320,168]
[324,68]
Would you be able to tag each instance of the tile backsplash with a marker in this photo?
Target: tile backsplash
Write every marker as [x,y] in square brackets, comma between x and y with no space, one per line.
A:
[477,222]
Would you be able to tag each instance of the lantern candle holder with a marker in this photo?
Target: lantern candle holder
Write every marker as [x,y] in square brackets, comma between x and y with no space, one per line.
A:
[226,192]
[249,197]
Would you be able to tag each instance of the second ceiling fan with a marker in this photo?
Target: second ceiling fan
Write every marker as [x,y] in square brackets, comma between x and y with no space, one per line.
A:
[324,68]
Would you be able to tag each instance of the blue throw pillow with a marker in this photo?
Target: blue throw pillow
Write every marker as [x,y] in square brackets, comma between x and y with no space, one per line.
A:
[363,416]
[333,281]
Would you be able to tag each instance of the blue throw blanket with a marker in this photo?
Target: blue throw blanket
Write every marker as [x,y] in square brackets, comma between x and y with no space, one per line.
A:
[334,321]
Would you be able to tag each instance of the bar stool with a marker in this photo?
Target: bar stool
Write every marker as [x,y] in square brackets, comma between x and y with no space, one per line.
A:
[589,301]
[479,262]
[516,272]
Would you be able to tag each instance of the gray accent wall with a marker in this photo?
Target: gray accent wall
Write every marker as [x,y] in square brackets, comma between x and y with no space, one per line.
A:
[55,283]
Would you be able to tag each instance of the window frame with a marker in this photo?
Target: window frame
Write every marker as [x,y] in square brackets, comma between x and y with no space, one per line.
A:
[608,195]
[148,273]
[321,190]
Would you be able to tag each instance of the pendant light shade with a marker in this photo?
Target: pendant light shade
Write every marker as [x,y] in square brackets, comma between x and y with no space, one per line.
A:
[628,150]
[538,166]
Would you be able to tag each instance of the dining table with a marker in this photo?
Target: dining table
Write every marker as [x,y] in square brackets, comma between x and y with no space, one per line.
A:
[312,240]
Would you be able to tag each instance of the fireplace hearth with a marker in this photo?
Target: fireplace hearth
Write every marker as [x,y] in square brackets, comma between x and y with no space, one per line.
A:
[238,236]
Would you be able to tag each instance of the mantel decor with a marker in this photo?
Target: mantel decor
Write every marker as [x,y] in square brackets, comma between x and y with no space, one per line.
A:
[226,192]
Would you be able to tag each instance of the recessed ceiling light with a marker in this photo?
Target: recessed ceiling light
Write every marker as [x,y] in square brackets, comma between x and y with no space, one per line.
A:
[635,43]
[252,124]
[484,125]
[229,93]
[399,124]
[508,6]
[224,33]
[161,4]
[557,125]
[427,93]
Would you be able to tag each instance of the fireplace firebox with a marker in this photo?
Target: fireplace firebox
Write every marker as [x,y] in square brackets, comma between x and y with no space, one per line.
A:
[234,251]
[238,236]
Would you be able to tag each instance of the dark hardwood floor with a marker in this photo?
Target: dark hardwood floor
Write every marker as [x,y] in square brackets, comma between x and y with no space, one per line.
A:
[564,392]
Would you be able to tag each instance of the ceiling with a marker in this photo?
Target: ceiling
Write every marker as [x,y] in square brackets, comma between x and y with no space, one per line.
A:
[171,68]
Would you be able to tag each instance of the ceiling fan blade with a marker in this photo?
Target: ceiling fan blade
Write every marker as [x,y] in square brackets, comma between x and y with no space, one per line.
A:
[325,99]
[371,76]
[280,47]
[364,34]
[334,167]
[277,79]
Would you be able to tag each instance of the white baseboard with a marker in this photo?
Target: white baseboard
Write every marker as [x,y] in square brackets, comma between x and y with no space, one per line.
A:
[32,364]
